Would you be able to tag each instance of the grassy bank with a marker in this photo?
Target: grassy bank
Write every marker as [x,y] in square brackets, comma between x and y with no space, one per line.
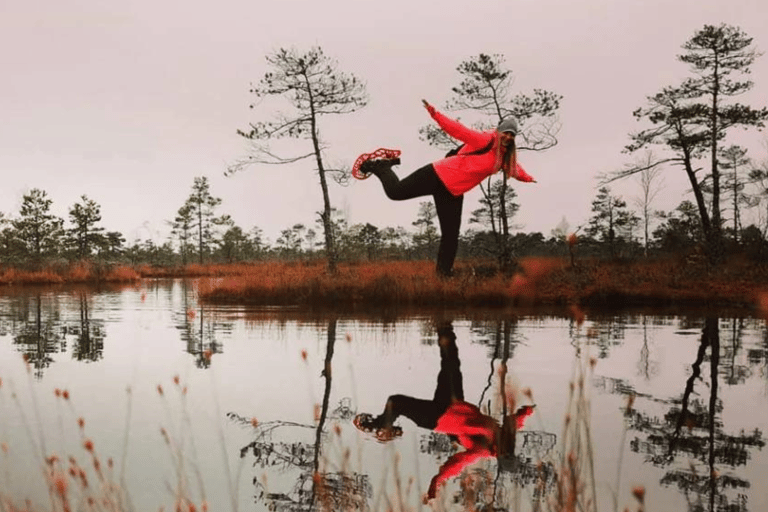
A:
[95,273]
[539,281]
[80,272]
[402,284]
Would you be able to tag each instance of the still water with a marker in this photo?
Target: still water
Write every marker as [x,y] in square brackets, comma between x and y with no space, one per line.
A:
[239,408]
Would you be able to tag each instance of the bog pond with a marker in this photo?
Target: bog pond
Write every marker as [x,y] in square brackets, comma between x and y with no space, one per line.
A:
[254,408]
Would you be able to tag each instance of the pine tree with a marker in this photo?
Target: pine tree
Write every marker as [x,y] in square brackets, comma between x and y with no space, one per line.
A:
[314,87]
[37,231]
[86,235]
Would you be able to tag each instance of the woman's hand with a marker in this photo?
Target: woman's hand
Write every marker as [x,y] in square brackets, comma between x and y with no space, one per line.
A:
[429,107]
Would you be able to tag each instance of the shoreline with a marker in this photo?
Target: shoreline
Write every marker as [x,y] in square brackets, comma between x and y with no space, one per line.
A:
[539,282]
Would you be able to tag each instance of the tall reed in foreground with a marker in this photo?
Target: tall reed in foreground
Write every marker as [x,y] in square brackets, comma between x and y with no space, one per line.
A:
[86,478]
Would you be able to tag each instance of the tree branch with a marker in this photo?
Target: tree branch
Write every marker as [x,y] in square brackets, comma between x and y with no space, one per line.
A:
[606,178]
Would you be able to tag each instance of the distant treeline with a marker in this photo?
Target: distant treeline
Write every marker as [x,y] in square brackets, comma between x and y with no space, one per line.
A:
[35,238]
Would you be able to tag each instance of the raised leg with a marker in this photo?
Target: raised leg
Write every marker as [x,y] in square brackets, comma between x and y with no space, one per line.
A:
[421,182]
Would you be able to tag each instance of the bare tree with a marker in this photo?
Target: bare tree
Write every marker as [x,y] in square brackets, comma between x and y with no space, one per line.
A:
[758,177]
[650,184]
[313,87]
[734,159]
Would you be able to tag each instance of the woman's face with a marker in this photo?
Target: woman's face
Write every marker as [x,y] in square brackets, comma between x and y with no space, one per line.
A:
[505,138]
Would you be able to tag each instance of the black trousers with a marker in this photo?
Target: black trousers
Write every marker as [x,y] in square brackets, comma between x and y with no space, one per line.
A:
[425,413]
[425,182]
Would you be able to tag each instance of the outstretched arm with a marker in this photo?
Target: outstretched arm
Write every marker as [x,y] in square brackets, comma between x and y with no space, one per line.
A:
[520,175]
[455,129]
[454,466]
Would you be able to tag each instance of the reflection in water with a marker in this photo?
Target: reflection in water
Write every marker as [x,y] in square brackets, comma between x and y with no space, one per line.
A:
[89,333]
[523,460]
[197,333]
[314,486]
[694,436]
[692,430]
[38,331]
[481,435]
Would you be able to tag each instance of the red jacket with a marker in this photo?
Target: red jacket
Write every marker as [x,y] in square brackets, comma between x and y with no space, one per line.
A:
[475,431]
[462,172]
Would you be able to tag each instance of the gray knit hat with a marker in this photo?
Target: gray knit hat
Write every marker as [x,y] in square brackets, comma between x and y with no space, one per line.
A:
[508,125]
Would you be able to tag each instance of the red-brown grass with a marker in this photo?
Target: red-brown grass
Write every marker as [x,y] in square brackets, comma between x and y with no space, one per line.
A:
[656,282]
[384,284]
[78,272]
[538,281]
[195,270]
[388,284]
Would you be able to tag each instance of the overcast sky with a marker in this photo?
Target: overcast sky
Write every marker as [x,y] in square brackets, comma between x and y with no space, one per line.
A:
[128,101]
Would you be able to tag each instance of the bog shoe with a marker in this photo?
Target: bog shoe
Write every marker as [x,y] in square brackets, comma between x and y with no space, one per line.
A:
[377,426]
[370,163]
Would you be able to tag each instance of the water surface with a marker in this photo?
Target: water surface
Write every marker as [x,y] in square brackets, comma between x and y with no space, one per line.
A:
[240,407]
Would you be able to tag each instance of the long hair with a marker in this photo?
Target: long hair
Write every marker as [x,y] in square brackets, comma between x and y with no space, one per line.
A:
[509,160]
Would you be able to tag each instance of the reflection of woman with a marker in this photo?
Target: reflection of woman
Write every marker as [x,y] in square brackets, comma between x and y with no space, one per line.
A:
[446,180]
[448,413]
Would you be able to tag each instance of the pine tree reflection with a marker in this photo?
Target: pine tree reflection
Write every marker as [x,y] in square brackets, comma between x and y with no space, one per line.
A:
[89,333]
[315,487]
[39,332]
[692,430]
[514,463]
[645,366]
[733,372]
[199,333]
[759,357]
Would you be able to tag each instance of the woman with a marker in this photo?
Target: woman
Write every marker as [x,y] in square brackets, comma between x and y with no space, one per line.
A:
[446,180]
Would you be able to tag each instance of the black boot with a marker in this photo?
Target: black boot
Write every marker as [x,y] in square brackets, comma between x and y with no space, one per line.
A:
[376,166]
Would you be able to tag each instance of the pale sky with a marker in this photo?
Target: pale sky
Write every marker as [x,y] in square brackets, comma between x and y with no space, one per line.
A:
[128,101]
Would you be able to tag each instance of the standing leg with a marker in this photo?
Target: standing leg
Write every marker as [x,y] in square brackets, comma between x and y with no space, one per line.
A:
[450,386]
[448,209]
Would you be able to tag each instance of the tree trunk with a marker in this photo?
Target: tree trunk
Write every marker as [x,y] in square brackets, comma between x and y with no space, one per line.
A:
[330,246]
[646,214]
[736,216]
[327,374]
[712,239]
[611,231]
[715,245]
[505,258]
[492,216]
[712,325]
[200,233]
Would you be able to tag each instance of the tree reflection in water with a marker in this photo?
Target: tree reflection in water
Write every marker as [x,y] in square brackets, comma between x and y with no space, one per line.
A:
[37,331]
[692,429]
[278,445]
[40,332]
[315,486]
[198,332]
[523,464]
[89,333]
